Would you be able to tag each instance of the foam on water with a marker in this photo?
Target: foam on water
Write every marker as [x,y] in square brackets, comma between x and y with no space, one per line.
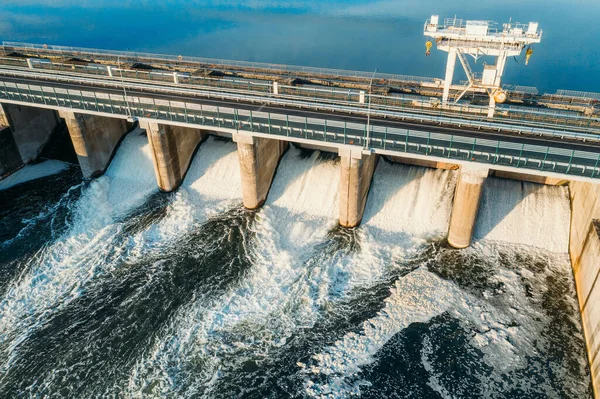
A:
[509,327]
[524,213]
[57,273]
[273,299]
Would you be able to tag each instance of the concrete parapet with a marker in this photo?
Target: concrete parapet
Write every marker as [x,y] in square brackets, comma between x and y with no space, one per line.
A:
[584,250]
[356,172]
[258,158]
[465,206]
[172,151]
[95,139]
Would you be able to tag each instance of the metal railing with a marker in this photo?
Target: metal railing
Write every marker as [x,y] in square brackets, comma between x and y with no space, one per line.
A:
[43,49]
[564,122]
[381,138]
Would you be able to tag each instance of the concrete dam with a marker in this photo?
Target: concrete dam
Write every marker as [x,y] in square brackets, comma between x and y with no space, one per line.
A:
[384,159]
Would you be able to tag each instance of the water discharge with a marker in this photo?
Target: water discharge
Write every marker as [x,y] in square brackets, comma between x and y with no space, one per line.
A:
[187,294]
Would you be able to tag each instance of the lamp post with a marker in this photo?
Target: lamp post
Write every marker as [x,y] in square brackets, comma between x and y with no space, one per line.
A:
[369,112]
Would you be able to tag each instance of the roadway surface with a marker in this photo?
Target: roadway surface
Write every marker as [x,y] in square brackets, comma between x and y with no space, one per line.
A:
[467,132]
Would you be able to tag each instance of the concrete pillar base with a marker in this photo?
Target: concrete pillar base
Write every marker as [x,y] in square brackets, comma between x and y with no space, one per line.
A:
[259,158]
[465,206]
[172,150]
[95,139]
[356,172]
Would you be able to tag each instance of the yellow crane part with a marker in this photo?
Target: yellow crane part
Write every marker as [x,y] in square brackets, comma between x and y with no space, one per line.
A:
[428,46]
[528,55]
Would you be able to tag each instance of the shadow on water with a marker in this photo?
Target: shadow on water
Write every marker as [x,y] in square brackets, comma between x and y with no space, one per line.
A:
[278,375]
[91,345]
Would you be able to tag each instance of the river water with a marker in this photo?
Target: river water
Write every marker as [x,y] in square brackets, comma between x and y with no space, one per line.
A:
[110,288]
[349,34]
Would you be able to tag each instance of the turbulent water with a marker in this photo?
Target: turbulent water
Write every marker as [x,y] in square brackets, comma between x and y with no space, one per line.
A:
[112,289]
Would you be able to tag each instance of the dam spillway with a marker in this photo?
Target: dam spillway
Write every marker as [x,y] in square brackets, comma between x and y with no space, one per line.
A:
[135,292]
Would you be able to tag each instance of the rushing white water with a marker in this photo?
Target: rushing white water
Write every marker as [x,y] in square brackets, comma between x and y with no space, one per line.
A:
[300,210]
[524,213]
[508,326]
[57,273]
[211,186]
[32,172]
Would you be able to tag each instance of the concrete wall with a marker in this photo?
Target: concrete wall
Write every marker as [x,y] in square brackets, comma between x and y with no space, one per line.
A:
[95,139]
[29,129]
[172,151]
[584,249]
[259,158]
[356,172]
[10,159]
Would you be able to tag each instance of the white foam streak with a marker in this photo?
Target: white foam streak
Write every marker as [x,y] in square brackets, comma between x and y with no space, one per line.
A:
[417,297]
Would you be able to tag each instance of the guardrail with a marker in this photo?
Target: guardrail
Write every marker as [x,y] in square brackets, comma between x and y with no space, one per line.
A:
[256,66]
[376,138]
[572,124]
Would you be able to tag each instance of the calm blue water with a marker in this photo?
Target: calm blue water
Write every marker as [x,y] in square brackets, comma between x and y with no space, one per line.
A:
[361,35]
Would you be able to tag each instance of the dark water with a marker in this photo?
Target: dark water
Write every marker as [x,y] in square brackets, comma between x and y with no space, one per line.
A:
[189,295]
[356,34]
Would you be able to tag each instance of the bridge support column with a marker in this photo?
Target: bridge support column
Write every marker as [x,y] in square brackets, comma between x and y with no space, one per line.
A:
[172,151]
[95,139]
[466,204]
[356,172]
[259,158]
[29,129]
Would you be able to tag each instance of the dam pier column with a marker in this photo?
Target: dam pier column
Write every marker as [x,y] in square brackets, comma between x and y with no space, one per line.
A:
[259,158]
[466,204]
[95,139]
[24,131]
[172,151]
[356,172]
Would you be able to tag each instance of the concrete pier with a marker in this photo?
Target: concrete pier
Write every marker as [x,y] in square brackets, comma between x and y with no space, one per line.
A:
[584,250]
[95,139]
[172,151]
[24,132]
[356,172]
[258,158]
[465,206]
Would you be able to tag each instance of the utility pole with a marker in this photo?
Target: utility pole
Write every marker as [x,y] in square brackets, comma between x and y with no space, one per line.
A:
[123,85]
[369,112]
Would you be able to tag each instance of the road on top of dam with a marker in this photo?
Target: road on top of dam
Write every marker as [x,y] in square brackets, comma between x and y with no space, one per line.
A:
[466,131]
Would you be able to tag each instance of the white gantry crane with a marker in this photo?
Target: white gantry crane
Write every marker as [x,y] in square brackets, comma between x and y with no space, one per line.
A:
[480,38]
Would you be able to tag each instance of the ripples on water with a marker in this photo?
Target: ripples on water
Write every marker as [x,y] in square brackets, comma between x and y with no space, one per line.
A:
[111,289]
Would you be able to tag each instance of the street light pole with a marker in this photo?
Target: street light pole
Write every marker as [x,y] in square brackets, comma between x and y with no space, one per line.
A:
[123,85]
[367,141]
